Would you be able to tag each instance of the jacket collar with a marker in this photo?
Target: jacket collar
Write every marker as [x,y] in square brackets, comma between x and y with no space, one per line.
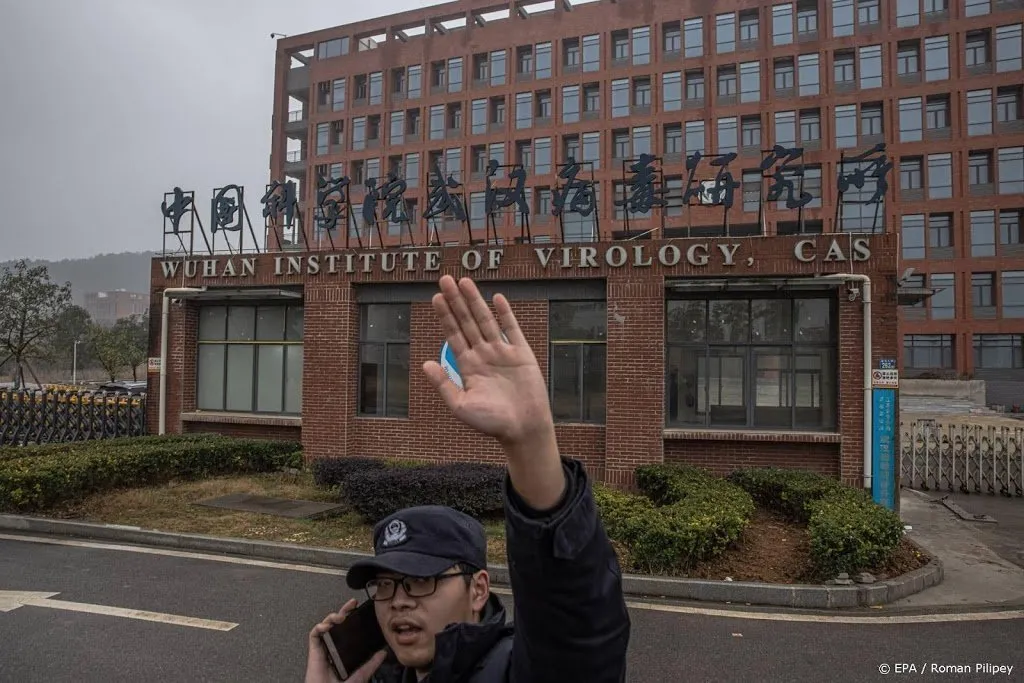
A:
[460,647]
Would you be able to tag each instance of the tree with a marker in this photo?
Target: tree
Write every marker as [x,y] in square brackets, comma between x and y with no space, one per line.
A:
[30,310]
[74,325]
[133,335]
[105,343]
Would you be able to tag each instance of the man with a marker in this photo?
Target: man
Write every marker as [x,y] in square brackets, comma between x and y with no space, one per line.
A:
[429,577]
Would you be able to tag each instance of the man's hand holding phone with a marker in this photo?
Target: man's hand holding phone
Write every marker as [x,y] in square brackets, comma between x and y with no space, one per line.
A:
[318,665]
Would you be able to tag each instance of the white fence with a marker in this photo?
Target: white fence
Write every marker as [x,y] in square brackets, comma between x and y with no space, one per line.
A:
[962,458]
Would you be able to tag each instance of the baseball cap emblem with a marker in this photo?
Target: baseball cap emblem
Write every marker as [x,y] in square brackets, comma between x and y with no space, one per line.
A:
[394,533]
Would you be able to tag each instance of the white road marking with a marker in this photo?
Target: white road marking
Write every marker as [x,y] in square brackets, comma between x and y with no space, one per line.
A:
[633,604]
[10,600]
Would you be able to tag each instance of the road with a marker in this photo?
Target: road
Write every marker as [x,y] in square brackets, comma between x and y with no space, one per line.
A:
[269,610]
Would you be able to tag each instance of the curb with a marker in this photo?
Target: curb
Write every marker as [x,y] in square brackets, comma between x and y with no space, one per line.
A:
[799,596]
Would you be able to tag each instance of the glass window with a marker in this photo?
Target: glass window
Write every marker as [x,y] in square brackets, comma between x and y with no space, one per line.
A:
[524,110]
[782,24]
[912,236]
[1013,294]
[478,116]
[977,8]
[592,53]
[809,75]
[842,18]
[979,112]
[695,139]
[908,13]
[415,87]
[846,126]
[983,233]
[810,126]
[571,103]
[577,374]
[725,33]
[750,82]
[907,59]
[620,98]
[671,91]
[785,128]
[376,87]
[940,176]
[642,45]
[323,138]
[750,130]
[911,117]
[543,57]
[249,359]
[384,360]
[1009,48]
[936,58]
[591,150]
[870,66]
[728,135]
[455,74]
[928,351]
[542,156]
[860,211]
[999,351]
[437,122]
[763,363]
[693,37]
[338,94]
[1010,227]
[497,65]
[1011,170]
[943,302]
[983,289]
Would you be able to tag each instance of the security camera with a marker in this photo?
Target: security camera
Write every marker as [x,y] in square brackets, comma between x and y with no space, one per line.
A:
[853,293]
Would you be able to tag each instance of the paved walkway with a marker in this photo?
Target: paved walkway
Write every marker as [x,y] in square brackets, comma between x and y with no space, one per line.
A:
[983,562]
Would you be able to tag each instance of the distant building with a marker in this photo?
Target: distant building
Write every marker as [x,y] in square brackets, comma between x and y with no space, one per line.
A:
[106,308]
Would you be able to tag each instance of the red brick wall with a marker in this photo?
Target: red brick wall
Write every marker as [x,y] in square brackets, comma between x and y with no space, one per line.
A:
[634,429]
[245,431]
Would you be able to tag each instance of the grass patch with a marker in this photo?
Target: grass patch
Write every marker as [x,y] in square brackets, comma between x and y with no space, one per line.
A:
[170,507]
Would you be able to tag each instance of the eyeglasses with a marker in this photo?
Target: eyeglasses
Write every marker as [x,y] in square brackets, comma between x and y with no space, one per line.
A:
[414,586]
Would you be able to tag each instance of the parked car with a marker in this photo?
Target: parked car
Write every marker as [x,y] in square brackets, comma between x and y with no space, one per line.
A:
[129,387]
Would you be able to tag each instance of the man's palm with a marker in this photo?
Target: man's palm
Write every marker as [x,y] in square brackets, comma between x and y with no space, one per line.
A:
[504,392]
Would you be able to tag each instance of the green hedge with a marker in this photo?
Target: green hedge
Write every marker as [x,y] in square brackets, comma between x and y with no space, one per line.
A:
[34,450]
[685,516]
[848,531]
[39,481]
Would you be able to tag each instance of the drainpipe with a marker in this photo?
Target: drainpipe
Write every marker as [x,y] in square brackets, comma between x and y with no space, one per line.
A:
[866,298]
[164,316]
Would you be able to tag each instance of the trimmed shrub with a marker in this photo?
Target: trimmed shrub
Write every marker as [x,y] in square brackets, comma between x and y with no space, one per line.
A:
[788,492]
[686,516]
[472,488]
[38,482]
[333,472]
[850,533]
[33,450]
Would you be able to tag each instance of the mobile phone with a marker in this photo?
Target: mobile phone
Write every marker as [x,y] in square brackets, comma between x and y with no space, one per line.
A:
[354,641]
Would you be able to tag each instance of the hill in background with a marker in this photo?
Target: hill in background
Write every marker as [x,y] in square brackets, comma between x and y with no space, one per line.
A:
[127,270]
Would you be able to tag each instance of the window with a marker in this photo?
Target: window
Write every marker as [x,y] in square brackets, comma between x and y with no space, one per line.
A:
[671,91]
[979,112]
[376,87]
[936,58]
[810,126]
[940,176]
[867,12]
[415,88]
[1009,226]
[695,137]
[809,73]
[525,60]
[412,169]
[620,98]
[844,69]
[750,82]
[359,133]
[908,60]
[1008,104]
[592,53]
[728,135]
[976,48]
[749,28]
[478,116]
[861,211]
[642,45]
[323,138]
[570,103]
[338,94]
[912,236]
[1009,48]
[695,85]
[785,76]
[693,37]
[641,92]
[249,359]
[673,139]
[332,48]
[455,74]
[1011,170]
[384,360]
[908,13]
[396,133]
[496,64]
[785,128]
[782,24]
[592,98]
[1013,294]
[979,168]
[764,363]
[592,148]
[437,122]
[842,18]
[524,110]
[542,156]
[846,126]
[910,119]
[870,66]
[671,37]
[725,33]
[940,231]
[977,8]
[871,121]
[750,131]
[936,112]
[543,61]
[982,290]
[928,351]
[578,334]
[983,233]
[999,351]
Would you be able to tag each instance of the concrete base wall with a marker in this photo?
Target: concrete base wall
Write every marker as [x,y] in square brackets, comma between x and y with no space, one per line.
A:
[972,391]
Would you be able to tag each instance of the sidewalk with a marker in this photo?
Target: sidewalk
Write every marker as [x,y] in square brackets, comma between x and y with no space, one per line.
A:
[974,572]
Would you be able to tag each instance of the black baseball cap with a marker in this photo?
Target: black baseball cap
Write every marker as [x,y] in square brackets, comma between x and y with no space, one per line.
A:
[422,541]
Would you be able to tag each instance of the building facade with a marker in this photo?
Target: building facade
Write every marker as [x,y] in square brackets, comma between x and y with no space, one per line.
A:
[106,308]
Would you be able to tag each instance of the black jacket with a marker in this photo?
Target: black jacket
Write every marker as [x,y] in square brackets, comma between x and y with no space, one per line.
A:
[571,622]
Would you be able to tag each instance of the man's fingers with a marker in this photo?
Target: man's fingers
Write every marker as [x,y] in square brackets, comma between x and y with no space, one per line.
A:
[363,673]
[449,325]
[439,379]
[509,324]
[460,309]
[481,311]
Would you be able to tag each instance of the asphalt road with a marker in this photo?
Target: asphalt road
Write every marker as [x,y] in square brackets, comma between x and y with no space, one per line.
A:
[275,607]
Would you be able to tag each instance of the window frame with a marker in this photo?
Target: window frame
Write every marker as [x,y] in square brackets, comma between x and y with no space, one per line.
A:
[557,340]
[387,343]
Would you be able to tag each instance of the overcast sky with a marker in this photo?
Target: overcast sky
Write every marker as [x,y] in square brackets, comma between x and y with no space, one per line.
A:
[107,104]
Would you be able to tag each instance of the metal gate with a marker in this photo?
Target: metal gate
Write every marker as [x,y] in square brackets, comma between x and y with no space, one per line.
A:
[32,417]
[962,458]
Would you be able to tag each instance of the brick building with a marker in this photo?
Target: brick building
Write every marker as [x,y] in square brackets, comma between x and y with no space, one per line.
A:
[106,308]
[690,332]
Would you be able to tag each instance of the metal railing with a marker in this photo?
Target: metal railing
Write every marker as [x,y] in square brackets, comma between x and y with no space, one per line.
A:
[962,458]
[48,416]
